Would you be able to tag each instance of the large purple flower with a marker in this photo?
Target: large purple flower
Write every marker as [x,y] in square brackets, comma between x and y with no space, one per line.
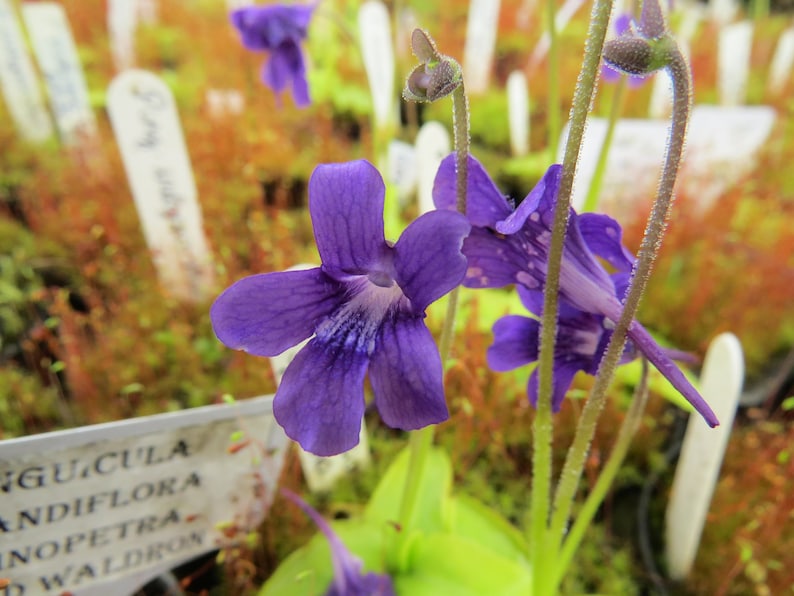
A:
[365,307]
[511,246]
[278,29]
[348,578]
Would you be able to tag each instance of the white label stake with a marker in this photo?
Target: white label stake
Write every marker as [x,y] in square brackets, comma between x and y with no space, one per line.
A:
[518,112]
[480,41]
[735,44]
[376,47]
[782,62]
[18,80]
[146,124]
[56,54]
[432,146]
[702,452]
[122,22]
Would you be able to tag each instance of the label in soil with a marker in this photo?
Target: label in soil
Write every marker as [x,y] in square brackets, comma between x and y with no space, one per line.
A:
[733,62]
[480,42]
[56,54]
[18,80]
[122,22]
[125,501]
[432,146]
[378,54]
[518,112]
[147,128]
[782,62]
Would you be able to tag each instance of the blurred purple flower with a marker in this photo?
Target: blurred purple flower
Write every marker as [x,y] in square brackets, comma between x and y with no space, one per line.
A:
[348,579]
[365,307]
[511,246]
[278,29]
[623,24]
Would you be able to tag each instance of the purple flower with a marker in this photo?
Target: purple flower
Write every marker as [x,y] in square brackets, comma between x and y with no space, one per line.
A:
[623,23]
[582,339]
[348,579]
[511,246]
[278,29]
[365,307]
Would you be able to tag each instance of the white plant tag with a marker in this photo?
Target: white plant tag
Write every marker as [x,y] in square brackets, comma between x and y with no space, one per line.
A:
[224,102]
[702,452]
[56,54]
[733,64]
[478,51]
[518,112]
[322,473]
[660,105]
[146,124]
[18,80]
[723,11]
[782,62]
[147,11]
[103,509]
[122,22]
[402,169]
[432,146]
[723,145]
[235,4]
[376,48]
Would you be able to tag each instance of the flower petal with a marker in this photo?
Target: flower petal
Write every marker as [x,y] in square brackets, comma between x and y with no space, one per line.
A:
[515,343]
[346,205]
[657,356]
[428,260]
[267,27]
[406,375]
[320,402]
[538,206]
[266,314]
[485,205]
[604,237]
[493,261]
[562,377]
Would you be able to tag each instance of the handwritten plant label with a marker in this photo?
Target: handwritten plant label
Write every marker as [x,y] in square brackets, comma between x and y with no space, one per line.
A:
[723,145]
[702,452]
[56,54]
[518,112]
[723,11]
[147,128]
[480,43]
[733,62]
[134,498]
[322,473]
[18,80]
[378,54]
[432,146]
[122,21]
[782,62]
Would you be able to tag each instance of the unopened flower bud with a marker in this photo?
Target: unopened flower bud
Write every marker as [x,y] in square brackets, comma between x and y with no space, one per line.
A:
[636,55]
[437,76]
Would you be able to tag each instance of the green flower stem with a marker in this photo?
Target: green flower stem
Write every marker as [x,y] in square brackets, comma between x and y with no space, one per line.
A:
[554,78]
[542,555]
[422,440]
[585,516]
[651,242]
[593,193]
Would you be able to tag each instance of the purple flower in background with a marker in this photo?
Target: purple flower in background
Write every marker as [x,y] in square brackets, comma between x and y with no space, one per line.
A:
[365,307]
[623,24]
[582,339]
[278,29]
[348,579]
[511,246]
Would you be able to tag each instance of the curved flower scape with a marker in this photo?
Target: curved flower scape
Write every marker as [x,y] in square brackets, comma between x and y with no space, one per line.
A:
[278,29]
[511,246]
[365,307]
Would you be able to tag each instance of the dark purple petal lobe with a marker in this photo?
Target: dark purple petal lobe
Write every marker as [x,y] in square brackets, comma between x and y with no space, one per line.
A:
[485,204]
[604,237]
[346,205]
[515,343]
[428,260]
[320,402]
[266,314]
[406,375]
[493,262]
[563,375]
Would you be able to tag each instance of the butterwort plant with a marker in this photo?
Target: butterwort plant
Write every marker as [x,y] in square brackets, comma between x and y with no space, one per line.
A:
[364,309]
[279,30]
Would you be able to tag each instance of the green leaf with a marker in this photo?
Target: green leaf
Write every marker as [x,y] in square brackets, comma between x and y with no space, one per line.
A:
[462,567]
[308,571]
[434,489]
[468,518]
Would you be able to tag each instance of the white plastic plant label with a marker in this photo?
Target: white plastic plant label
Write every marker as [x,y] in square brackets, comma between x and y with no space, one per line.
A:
[122,22]
[56,54]
[18,80]
[702,452]
[378,53]
[402,169]
[518,112]
[432,146]
[733,62]
[478,52]
[119,503]
[782,62]
[147,129]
